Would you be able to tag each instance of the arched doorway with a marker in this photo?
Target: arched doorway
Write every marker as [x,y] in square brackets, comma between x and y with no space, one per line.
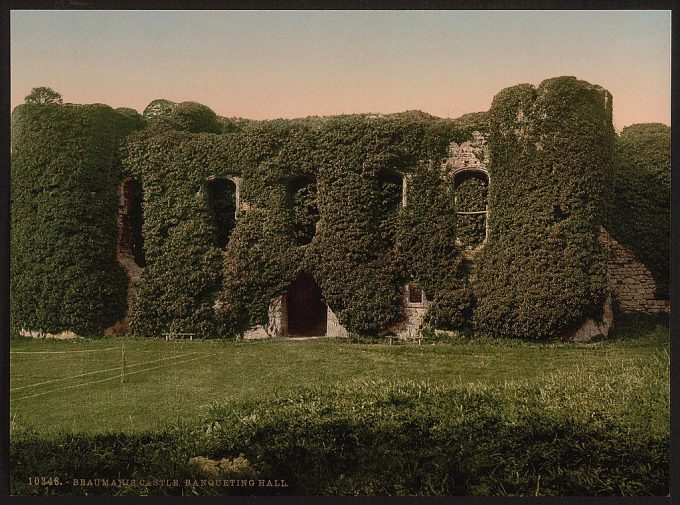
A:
[307,312]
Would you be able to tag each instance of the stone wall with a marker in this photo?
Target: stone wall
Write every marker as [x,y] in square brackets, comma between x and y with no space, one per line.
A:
[410,325]
[472,155]
[334,328]
[630,280]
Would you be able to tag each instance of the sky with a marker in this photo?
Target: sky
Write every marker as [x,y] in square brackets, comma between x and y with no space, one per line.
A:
[285,64]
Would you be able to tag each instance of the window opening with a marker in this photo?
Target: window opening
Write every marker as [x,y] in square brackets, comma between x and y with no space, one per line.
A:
[222,203]
[471,197]
[303,202]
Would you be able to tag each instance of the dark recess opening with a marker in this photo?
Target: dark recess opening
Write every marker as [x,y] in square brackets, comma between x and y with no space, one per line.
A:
[302,192]
[307,312]
[222,204]
[132,219]
[415,294]
[558,213]
[390,187]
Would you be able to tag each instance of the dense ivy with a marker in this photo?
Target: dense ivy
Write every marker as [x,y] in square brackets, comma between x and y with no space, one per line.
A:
[354,255]
[323,196]
[543,270]
[642,184]
[65,174]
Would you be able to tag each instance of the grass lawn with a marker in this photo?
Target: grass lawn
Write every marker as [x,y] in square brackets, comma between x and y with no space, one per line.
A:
[74,386]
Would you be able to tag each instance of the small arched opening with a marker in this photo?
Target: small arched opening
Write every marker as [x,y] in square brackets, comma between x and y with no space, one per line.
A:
[471,189]
[221,196]
[130,222]
[302,195]
[307,312]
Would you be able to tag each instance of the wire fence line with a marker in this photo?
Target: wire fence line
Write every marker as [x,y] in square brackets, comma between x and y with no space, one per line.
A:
[79,351]
[63,352]
[99,371]
[112,378]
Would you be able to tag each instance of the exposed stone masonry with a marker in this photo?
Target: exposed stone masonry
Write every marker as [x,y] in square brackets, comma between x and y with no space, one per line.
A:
[630,280]
[125,255]
[410,325]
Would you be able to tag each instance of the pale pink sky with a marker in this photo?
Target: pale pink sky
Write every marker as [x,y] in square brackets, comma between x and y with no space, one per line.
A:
[268,64]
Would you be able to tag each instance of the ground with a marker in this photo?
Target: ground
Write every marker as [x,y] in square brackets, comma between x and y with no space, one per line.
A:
[75,385]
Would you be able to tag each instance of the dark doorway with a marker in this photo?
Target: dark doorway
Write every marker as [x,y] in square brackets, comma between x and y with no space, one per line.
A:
[307,312]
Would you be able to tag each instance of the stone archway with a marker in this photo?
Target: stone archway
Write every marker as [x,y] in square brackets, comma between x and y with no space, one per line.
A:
[306,310]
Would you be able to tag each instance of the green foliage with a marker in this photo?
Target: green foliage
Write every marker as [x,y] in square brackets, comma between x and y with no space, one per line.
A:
[355,257]
[260,262]
[427,250]
[43,95]
[65,174]
[195,118]
[474,121]
[642,197]
[382,438]
[543,270]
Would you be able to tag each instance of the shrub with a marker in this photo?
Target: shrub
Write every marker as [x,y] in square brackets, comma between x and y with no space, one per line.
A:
[195,118]
[44,95]
[159,108]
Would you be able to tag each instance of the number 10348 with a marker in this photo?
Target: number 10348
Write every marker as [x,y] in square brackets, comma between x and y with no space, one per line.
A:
[44,481]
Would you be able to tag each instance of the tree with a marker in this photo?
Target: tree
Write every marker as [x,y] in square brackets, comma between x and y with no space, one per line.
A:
[43,95]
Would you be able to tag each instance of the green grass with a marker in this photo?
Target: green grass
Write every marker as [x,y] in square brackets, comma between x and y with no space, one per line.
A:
[458,417]
[628,371]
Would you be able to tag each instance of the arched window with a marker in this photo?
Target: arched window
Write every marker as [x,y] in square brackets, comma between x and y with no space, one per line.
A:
[130,237]
[302,193]
[221,197]
[471,190]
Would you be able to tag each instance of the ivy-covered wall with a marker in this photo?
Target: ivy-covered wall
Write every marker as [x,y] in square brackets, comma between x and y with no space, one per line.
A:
[360,255]
[642,197]
[65,173]
[322,196]
[543,270]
